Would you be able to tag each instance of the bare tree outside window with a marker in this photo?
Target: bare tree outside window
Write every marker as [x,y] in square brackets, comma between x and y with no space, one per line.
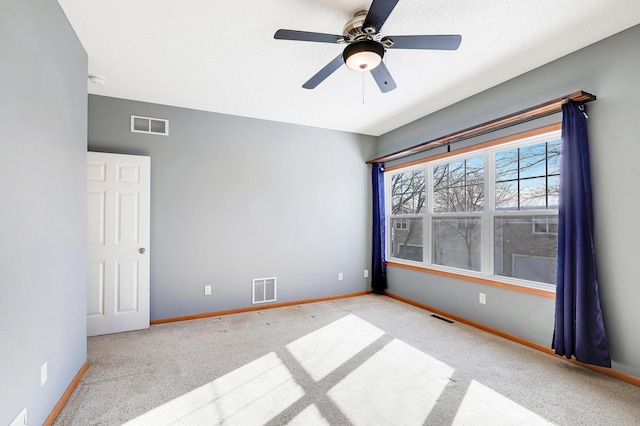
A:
[408,197]
[456,242]
[458,187]
[408,193]
[528,177]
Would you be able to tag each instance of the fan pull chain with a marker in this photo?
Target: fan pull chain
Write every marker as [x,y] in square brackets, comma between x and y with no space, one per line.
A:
[362,88]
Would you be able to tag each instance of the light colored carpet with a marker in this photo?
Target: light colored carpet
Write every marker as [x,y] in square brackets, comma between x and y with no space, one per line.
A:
[367,360]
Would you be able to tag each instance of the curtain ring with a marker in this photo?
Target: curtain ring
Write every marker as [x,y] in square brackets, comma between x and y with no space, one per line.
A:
[581,108]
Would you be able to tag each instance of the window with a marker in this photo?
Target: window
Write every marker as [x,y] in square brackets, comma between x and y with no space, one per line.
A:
[544,225]
[459,186]
[490,212]
[408,196]
[458,193]
[528,177]
[520,252]
[402,224]
[456,242]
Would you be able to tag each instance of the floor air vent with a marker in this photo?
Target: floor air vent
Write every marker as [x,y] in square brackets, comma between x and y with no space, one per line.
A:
[148,125]
[264,290]
[442,318]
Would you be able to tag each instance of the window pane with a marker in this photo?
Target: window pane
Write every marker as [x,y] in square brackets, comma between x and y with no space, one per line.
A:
[456,175]
[408,192]
[554,157]
[406,238]
[533,161]
[459,186]
[440,177]
[526,247]
[456,242]
[525,177]
[533,193]
[475,170]
[474,198]
[553,192]
[450,200]
[507,165]
[441,201]
[507,195]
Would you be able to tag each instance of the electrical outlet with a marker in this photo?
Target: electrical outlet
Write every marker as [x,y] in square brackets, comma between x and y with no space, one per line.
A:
[366,273]
[207,290]
[340,276]
[43,374]
[21,420]
[483,298]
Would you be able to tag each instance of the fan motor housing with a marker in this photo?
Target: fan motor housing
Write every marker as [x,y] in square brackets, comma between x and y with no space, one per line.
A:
[354,29]
[354,26]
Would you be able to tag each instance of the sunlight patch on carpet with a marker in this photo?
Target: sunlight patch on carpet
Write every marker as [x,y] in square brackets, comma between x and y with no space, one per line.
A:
[327,348]
[309,416]
[484,406]
[398,385]
[251,395]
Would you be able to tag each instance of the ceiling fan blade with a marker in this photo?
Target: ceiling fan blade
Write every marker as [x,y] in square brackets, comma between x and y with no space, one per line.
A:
[306,36]
[383,78]
[378,13]
[324,73]
[435,42]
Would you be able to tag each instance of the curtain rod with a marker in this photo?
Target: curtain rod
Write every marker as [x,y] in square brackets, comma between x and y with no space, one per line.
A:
[538,111]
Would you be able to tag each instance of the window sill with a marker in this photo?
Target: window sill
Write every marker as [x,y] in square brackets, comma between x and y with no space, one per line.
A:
[485,281]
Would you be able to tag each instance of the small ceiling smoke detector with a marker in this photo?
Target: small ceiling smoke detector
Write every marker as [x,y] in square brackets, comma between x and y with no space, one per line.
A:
[97,79]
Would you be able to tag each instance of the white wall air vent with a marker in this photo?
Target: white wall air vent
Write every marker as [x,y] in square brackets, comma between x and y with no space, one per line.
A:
[148,125]
[264,290]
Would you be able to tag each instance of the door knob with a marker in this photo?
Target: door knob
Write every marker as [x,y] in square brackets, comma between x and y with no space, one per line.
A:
[142,250]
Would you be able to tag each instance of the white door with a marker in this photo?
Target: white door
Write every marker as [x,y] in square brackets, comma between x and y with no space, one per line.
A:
[118,217]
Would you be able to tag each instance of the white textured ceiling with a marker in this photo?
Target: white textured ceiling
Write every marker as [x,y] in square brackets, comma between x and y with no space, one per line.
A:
[221,56]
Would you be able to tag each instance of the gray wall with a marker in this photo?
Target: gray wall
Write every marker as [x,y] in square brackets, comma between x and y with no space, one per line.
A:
[608,69]
[236,198]
[43,117]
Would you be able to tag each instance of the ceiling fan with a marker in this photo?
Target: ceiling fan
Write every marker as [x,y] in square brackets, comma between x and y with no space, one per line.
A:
[366,45]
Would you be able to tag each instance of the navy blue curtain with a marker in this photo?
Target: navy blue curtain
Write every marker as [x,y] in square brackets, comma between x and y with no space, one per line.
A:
[379,268]
[579,328]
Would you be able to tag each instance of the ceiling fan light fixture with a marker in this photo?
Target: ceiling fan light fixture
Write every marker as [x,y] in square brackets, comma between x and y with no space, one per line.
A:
[363,55]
